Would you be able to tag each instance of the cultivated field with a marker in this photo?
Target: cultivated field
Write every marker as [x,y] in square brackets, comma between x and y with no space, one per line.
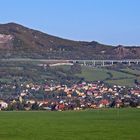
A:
[112,124]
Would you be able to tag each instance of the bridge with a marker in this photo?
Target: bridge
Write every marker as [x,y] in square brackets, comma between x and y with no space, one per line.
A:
[93,63]
[106,62]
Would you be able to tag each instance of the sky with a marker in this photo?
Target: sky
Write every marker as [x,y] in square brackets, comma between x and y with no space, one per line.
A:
[111,22]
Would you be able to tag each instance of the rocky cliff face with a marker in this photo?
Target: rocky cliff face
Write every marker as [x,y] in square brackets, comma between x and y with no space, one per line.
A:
[127,52]
[6,41]
[5,38]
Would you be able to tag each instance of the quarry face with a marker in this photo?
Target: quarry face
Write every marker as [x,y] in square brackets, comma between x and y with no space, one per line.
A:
[5,38]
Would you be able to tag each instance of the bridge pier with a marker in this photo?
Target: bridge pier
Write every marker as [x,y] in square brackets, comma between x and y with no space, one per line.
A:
[94,63]
[129,63]
[84,63]
[112,63]
[103,63]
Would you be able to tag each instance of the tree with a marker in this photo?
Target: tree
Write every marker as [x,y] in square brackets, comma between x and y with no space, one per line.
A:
[35,106]
[76,68]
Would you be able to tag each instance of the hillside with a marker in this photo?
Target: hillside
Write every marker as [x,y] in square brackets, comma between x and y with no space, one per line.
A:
[17,41]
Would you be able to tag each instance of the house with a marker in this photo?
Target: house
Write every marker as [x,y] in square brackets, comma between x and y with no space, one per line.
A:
[3,105]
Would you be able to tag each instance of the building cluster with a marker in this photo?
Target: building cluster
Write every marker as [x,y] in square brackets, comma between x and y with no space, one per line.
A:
[75,97]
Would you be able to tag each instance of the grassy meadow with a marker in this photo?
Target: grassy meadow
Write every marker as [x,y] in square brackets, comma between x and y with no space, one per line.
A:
[106,124]
[123,77]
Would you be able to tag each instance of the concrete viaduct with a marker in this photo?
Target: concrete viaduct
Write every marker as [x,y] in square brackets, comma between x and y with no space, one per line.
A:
[93,63]
[104,63]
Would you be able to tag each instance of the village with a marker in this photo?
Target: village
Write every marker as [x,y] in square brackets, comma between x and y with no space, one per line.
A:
[58,97]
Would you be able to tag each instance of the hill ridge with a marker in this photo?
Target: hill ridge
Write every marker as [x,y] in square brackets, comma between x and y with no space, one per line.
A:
[31,43]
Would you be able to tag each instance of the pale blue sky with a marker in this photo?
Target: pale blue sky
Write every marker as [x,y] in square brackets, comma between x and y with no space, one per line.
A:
[106,21]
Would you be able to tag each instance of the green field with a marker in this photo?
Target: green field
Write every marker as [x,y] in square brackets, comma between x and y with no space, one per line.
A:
[109,76]
[92,74]
[133,71]
[122,82]
[112,124]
